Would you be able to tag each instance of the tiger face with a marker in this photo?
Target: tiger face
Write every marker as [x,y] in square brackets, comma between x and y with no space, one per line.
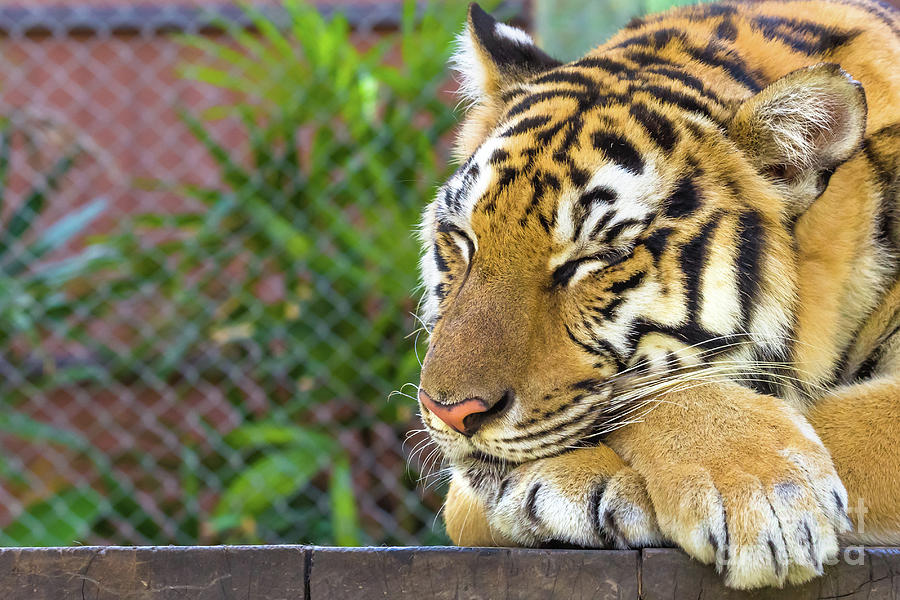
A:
[616,224]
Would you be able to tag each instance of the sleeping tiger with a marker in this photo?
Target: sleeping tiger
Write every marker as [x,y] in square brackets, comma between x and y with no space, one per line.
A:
[662,288]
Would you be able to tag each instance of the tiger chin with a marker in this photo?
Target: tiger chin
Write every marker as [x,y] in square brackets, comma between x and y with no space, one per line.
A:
[662,288]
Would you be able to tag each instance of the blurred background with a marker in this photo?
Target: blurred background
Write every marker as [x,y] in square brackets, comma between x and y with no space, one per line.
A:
[208,265]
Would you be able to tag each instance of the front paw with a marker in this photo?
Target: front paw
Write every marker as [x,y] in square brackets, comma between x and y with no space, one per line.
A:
[587,498]
[764,520]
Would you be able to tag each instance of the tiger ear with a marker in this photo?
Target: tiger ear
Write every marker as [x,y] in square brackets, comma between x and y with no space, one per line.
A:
[800,128]
[490,57]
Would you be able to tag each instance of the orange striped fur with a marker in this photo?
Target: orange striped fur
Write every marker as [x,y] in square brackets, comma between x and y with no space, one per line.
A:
[668,272]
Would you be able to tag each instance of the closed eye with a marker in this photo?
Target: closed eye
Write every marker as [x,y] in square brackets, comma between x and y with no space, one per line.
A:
[461,239]
[564,273]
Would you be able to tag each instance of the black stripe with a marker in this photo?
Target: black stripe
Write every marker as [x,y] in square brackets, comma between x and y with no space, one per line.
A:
[727,31]
[577,175]
[716,54]
[439,260]
[572,77]
[584,99]
[546,136]
[671,96]
[576,124]
[613,232]
[672,362]
[690,333]
[882,151]
[525,125]
[499,156]
[693,262]
[658,126]
[632,282]
[601,224]
[686,79]
[511,94]
[642,58]
[598,62]
[590,385]
[657,241]
[802,36]
[598,195]
[751,243]
[655,39]
[531,503]
[619,150]
[538,434]
[766,380]
[635,23]
[683,201]
[532,99]
[537,193]
[545,223]
[448,228]
[597,347]
[594,500]
[504,487]
[507,176]
[607,312]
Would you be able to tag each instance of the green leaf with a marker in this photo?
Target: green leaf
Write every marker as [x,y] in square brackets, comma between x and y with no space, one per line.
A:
[254,435]
[89,260]
[271,478]
[27,214]
[57,235]
[344,518]
[61,520]
[32,430]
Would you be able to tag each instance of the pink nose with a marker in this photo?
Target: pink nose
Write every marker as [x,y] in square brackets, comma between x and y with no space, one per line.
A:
[455,415]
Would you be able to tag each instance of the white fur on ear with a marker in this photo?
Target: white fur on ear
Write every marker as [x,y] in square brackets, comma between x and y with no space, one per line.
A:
[513,33]
[804,121]
[800,128]
[471,72]
[492,56]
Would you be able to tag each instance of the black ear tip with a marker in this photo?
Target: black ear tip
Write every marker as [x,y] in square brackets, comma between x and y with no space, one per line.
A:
[481,20]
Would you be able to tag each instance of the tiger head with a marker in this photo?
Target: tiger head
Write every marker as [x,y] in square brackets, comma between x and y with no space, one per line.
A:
[615,223]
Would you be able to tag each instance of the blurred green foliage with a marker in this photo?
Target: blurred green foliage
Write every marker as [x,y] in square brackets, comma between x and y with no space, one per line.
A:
[296,270]
[290,279]
[37,303]
[34,299]
[567,29]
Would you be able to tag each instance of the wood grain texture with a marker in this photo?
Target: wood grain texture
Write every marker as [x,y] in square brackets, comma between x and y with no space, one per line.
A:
[433,573]
[875,575]
[153,573]
[477,573]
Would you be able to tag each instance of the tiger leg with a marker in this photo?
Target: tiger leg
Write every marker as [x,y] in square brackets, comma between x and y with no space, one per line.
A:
[860,426]
[741,480]
[587,497]
[465,516]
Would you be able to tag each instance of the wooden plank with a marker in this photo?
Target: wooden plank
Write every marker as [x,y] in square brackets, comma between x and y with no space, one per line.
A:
[433,573]
[472,574]
[872,574]
[153,573]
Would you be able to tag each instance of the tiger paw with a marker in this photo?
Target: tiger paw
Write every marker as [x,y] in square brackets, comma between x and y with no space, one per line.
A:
[765,509]
[587,498]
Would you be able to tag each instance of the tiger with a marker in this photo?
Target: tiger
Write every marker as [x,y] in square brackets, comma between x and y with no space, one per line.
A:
[661,288]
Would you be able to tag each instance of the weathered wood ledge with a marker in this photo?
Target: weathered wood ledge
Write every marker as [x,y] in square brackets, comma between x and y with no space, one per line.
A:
[317,573]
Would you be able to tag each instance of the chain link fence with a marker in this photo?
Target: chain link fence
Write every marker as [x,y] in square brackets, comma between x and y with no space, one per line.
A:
[208,270]
[208,266]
